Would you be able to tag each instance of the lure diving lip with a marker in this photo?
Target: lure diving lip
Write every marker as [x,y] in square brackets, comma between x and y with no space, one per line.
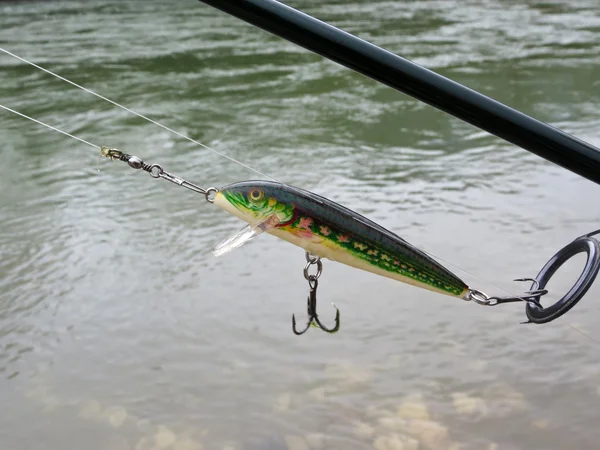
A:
[327,229]
[246,234]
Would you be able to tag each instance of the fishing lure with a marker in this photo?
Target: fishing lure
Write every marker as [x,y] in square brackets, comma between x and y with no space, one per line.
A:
[326,229]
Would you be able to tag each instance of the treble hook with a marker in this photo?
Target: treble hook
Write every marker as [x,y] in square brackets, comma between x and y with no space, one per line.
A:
[531,296]
[311,302]
[311,310]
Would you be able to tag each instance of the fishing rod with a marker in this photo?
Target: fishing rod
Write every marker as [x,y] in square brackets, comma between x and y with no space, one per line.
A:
[418,82]
[460,101]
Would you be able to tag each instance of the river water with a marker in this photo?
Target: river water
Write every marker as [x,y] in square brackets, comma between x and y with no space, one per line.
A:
[120,330]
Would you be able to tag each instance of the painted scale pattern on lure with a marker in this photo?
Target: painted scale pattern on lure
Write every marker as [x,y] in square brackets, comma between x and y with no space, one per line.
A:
[332,231]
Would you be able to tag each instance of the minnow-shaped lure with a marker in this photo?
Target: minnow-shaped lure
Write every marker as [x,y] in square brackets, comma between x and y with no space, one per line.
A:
[326,229]
[332,231]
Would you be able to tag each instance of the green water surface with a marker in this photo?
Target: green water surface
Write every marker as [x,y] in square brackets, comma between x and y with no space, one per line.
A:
[120,330]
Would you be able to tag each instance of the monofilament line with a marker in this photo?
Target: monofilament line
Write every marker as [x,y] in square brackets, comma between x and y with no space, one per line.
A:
[136,113]
[96,146]
[49,126]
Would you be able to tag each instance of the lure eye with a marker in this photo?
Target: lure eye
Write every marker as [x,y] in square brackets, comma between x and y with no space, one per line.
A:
[256,195]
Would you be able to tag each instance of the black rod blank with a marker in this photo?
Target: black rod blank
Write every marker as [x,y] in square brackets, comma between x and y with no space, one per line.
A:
[425,85]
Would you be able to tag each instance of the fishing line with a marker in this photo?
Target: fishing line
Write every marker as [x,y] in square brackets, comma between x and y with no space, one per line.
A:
[199,144]
[134,112]
[49,126]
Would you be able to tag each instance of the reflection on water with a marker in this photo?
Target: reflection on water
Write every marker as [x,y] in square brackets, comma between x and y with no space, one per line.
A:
[120,330]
